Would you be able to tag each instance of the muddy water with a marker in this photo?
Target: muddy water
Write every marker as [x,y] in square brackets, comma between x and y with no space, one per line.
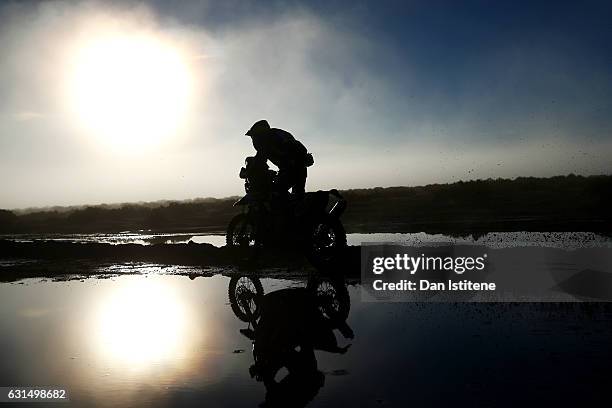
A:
[161,340]
[567,240]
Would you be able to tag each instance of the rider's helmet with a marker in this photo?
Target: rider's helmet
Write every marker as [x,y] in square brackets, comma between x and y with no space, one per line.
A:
[261,127]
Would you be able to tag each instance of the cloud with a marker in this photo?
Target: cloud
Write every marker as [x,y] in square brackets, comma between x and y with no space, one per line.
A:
[26,115]
[370,114]
[296,70]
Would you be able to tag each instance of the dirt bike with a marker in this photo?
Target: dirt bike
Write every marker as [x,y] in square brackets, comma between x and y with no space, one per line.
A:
[275,219]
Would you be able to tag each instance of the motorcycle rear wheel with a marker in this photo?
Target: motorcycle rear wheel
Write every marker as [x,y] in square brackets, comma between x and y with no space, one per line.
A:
[328,238]
[332,297]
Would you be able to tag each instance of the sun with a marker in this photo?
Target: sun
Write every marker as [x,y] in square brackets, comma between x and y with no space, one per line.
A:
[131,91]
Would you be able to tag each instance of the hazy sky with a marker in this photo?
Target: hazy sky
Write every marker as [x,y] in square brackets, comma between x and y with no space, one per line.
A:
[117,101]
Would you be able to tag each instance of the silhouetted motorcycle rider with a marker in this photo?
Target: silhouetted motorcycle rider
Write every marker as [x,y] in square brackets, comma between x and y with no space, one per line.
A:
[285,152]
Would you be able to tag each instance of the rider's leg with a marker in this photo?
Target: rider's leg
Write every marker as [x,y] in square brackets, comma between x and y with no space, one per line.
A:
[284,179]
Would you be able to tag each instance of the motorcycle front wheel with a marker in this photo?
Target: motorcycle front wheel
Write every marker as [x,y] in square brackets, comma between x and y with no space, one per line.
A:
[244,294]
[240,232]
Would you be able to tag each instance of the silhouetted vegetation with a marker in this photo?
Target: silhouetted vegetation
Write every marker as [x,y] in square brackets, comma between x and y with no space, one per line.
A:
[563,203]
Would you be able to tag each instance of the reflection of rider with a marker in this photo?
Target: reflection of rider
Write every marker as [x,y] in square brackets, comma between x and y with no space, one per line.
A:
[291,326]
[287,153]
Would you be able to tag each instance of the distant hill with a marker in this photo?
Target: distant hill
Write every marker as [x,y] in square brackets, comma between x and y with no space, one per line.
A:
[562,203]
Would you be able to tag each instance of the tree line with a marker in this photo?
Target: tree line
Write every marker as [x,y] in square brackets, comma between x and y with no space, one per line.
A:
[562,203]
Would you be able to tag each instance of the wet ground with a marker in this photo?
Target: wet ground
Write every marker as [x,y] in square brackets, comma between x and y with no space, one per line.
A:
[565,240]
[156,334]
[161,340]
[80,255]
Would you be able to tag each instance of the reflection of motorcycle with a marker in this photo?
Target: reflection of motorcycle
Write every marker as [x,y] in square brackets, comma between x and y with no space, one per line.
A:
[286,326]
[331,297]
[273,219]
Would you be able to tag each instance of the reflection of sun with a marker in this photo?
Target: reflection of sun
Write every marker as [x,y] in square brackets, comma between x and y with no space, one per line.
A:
[130,90]
[141,323]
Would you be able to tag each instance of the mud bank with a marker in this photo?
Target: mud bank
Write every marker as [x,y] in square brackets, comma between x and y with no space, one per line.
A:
[52,259]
